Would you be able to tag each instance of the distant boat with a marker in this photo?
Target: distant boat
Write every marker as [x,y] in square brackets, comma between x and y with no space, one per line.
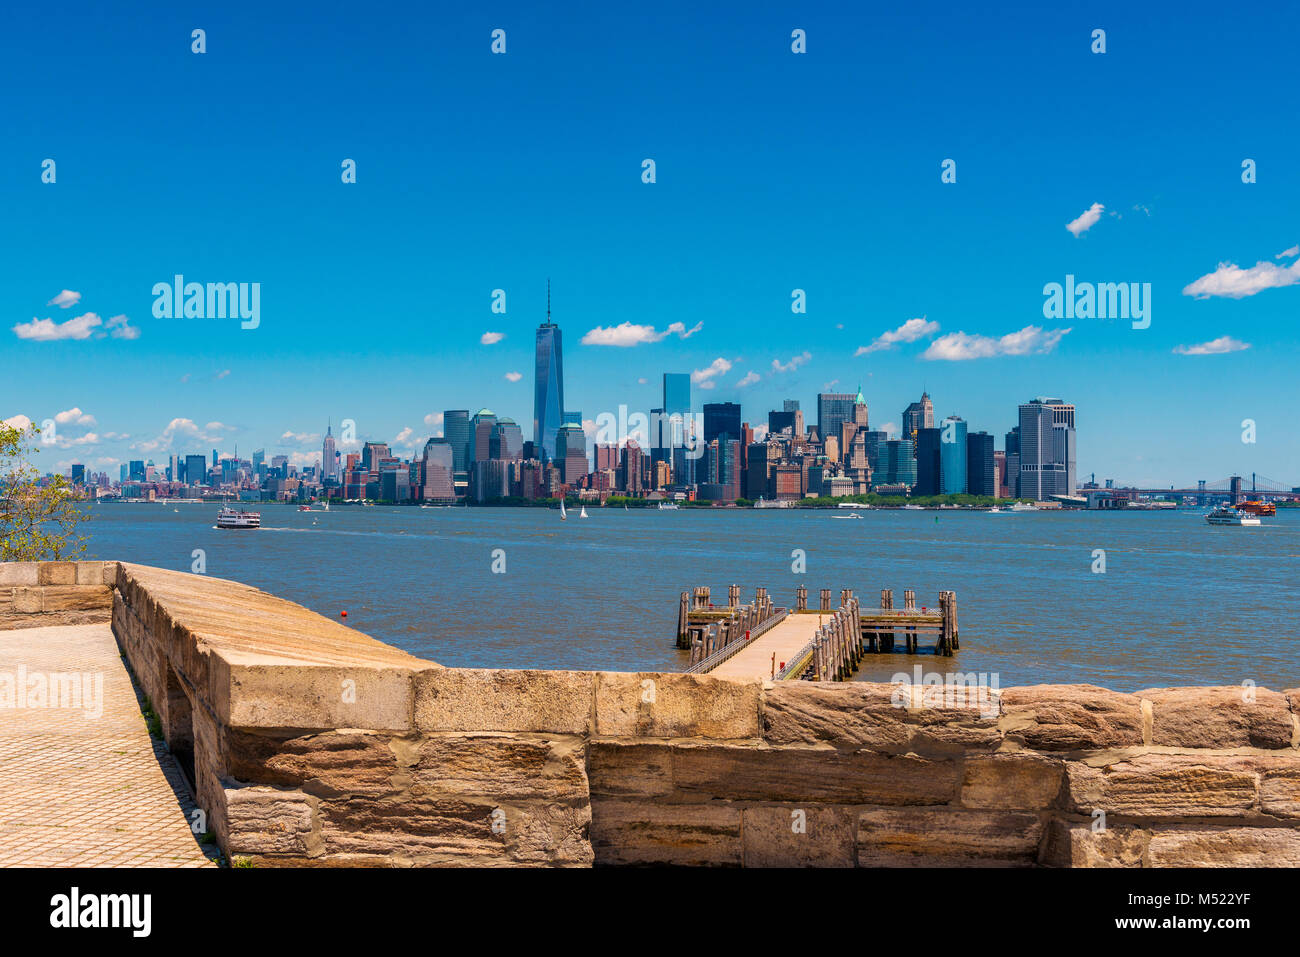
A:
[1227,515]
[564,516]
[582,512]
[304,508]
[668,506]
[994,510]
[850,515]
[236,518]
[914,508]
[1023,507]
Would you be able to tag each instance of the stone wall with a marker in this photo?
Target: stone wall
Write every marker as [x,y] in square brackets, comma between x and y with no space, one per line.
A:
[313,744]
[48,593]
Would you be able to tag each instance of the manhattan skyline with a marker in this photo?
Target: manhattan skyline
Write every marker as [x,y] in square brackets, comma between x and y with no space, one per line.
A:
[775,172]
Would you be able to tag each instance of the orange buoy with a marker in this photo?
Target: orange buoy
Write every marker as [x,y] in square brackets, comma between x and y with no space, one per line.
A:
[343,614]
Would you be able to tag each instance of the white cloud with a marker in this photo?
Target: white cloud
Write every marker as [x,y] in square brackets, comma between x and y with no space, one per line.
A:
[405,438]
[1214,347]
[642,381]
[66,299]
[889,428]
[47,330]
[491,338]
[1288,253]
[630,334]
[704,377]
[749,379]
[183,432]
[74,416]
[1232,282]
[1086,220]
[909,331]
[514,376]
[119,327]
[433,418]
[794,363]
[956,346]
[19,422]
[222,374]
[300,438]
[760,432]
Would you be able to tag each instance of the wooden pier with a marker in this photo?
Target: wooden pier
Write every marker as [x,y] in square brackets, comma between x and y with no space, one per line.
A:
[823,644]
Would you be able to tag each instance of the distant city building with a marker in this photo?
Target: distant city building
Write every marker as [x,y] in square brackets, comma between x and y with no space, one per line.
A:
[571,453]
[437,470]
[834,409]
[328,456]
[506,441]
[917,416]
[897,463]
[548,386]
[481,428]
[952,456]
[1000,468]
[1047,449]
[677,393]
[721,419]
[928,461]
[78,474]
[1012,443]
[981,465]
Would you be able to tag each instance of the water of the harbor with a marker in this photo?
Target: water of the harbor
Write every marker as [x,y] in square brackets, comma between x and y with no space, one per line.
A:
[1180,602]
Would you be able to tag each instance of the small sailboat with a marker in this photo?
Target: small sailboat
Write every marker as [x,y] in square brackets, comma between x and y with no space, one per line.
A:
[564,516]
[582,513]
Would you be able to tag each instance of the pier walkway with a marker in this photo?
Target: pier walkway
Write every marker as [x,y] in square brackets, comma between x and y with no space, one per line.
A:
[785,640]
[82,782]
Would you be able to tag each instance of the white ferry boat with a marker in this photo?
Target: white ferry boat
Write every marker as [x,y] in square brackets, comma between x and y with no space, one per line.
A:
[237,518]
[668,506]
[1226,515]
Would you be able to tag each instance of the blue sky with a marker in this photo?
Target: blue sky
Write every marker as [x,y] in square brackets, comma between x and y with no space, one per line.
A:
[774,171]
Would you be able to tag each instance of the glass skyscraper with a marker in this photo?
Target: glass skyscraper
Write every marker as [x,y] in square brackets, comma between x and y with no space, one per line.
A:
[677,393]
[952,456]
[548,394]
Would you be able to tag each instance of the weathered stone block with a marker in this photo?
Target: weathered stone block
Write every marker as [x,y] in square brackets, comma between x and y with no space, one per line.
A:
[91,573]
[1163,785]
[1218,718]
[56,573]
[326,765]
[795,836]
[75,597]
[676,705]
[634,832]
[437,830]
[29,601]
[816,775]
[541,832]
[306,696]
[1071,717]
[866,715]
[1070,844]
[474,699]
[1225,847]
[19,573]
[268,821]
[1279,790]
[1016,780]
[946,837]
[616,769]
[501,768]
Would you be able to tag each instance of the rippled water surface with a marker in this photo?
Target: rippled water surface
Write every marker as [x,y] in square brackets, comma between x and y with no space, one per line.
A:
[1181,602]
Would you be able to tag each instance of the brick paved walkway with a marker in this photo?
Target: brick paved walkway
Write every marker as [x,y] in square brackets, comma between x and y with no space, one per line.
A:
[82,791]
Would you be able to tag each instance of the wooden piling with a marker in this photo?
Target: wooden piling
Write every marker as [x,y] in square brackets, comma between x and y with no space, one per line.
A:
[801,598]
